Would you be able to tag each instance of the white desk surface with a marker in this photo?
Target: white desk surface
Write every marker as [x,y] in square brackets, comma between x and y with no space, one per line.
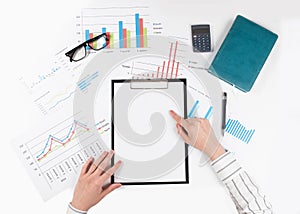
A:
[32,30]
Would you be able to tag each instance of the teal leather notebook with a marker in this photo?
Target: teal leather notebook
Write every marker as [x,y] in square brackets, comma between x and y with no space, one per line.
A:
[243,53]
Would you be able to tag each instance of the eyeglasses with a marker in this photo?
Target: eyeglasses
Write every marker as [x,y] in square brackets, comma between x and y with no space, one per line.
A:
[97,43]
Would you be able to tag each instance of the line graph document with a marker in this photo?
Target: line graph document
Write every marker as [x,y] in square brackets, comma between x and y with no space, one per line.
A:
[52,90]
[53,156]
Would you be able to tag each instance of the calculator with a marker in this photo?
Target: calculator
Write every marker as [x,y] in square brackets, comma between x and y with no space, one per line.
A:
[201,38]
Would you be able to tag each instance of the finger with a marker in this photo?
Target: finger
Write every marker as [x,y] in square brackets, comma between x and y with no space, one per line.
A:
[86,166]
[97,162]
[179,119]
[109,189]
[183,133]
[104,163]
[175,116]
[110,171]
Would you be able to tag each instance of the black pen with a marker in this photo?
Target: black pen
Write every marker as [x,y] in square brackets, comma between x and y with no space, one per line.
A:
[224,102]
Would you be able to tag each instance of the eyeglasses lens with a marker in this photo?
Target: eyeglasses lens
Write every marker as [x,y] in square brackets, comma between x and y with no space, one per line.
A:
[79,53]
[99,43]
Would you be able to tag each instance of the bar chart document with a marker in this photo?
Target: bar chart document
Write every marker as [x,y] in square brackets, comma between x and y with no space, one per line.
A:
[127,27]
[53,156]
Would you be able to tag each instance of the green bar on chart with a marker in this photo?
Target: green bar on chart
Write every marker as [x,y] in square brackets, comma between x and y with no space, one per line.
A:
[111,40]
[145,38]
[128,39]
[95,43]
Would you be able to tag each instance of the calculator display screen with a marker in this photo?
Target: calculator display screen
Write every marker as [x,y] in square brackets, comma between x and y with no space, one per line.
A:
[200,29]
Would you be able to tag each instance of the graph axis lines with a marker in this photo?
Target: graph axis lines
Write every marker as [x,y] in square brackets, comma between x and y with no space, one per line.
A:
[62,100]
[167,69]
[68,157]
[122,24]
[62,141]
[53,138]
[36,163]
[50,160]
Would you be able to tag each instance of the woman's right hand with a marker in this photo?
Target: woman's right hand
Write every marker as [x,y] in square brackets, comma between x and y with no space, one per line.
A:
[198,133]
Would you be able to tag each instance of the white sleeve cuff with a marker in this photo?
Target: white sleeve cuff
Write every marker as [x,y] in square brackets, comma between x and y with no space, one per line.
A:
[226,167]
[73,210]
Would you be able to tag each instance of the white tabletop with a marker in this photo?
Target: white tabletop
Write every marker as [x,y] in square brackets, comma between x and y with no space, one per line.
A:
[32,30]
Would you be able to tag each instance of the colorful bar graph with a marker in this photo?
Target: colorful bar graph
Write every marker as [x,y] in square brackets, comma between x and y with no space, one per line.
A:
[141,32]
[170,67]
[125,32]
[239,131]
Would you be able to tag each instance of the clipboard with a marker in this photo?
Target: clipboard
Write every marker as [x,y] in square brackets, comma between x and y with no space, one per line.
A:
[144,136]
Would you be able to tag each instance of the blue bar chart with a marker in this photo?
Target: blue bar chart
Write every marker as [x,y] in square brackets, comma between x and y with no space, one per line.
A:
[239,131]
[87,81]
